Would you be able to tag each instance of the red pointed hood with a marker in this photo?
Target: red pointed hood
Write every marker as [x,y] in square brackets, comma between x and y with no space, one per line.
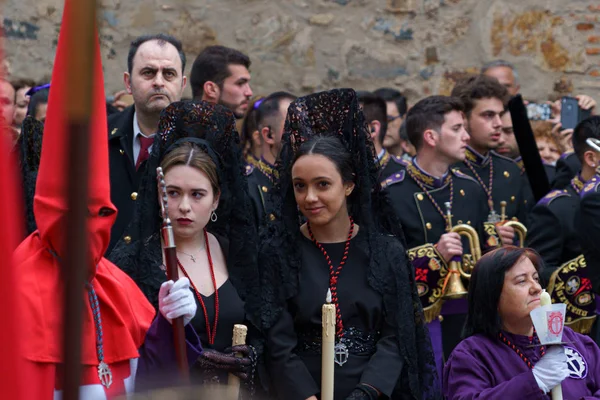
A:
[11,230]
[50,202]
[126,314]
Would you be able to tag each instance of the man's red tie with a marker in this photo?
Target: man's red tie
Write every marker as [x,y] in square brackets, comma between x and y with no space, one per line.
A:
[145,144]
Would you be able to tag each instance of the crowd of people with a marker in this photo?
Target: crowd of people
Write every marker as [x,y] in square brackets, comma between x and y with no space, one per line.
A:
[419,219]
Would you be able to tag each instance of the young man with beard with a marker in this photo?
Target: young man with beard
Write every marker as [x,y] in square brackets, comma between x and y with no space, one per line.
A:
[220,75]
[484,100]
[155,79]
[422,193]
[270,118]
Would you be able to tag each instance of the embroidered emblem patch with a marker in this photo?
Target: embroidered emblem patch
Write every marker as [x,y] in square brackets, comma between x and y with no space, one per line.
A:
[577,364]
[555,322]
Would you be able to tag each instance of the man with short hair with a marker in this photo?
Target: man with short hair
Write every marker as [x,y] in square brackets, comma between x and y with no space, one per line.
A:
[501,178]
[505,72]
[375,112]
[422,194]
[396,111]
[270,119]
[155,78]
[220,75]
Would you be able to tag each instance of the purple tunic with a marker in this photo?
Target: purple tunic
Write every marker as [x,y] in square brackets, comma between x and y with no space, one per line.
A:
[157,365]
[484,368]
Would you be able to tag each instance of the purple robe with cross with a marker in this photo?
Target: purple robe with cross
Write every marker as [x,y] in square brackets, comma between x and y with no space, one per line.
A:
[484,368]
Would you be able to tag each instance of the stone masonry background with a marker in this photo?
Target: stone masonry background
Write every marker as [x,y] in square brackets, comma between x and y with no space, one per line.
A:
[418,46]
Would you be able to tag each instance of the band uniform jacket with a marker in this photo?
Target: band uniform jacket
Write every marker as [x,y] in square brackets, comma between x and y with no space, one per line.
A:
[260,185]
[567,166]
[587,221]
[508,183]
[423,225]
[124,179]
[551,228]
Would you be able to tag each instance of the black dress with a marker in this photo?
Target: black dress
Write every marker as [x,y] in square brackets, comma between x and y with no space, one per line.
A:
[231,312]
[293,349]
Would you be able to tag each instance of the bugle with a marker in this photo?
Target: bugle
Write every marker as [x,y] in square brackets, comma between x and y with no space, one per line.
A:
[519,228]
[453,286]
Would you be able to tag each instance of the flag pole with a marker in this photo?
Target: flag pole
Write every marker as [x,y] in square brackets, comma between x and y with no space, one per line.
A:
[81,15]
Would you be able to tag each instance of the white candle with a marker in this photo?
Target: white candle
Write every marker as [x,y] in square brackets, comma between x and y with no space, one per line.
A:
[545,298]
[327,348]
[239,338]
[556,390]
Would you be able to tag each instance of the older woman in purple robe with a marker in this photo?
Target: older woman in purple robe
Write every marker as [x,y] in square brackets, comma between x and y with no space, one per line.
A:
[501,357]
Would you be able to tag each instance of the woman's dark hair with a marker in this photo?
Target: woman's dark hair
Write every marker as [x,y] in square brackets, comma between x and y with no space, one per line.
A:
[40,97]
[485,287]
[332,148]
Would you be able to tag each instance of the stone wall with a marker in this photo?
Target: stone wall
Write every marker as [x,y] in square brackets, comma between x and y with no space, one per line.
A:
[419,46]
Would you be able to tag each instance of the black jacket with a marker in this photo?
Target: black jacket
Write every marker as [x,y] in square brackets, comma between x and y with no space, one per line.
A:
[124,179]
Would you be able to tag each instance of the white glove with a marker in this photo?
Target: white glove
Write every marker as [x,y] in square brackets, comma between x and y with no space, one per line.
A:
[551,369]
[177,300]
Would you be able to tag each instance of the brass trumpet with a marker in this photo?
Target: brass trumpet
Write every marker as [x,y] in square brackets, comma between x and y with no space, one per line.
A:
[519,228]
[453,286]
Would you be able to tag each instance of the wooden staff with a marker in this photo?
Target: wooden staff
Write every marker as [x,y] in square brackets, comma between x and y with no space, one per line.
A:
[170,252]
[81,15]
[239,338]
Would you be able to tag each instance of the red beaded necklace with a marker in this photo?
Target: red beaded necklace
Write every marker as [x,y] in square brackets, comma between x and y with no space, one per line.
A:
[518,351]
[210,332]
[334,274]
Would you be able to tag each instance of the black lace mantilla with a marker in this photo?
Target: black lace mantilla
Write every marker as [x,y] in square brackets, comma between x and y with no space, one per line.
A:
[336,112]
[142,258]
[29,148]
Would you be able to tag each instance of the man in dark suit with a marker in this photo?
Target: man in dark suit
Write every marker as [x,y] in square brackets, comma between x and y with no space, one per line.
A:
[155,79]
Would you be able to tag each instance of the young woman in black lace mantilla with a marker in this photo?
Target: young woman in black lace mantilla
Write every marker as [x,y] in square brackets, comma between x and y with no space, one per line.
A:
[198,148]
[351,244]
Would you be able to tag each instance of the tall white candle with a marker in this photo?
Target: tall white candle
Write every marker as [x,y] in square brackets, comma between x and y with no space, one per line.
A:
[556,390]
[327,348]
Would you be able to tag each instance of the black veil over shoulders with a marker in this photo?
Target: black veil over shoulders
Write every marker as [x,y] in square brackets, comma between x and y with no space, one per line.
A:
[337,113]
[29,149]
[214,125]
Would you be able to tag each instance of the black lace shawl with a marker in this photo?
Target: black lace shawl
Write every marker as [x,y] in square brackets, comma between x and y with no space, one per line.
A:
[390,273]
[142,258]
[29,149]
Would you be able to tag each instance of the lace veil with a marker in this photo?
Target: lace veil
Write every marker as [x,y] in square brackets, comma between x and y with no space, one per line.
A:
[337,113]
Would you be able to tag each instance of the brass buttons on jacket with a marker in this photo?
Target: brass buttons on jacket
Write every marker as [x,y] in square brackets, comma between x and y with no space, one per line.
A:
[462,192]
[420,197]
[134,196]
[271,217]
[264,189]
[440,318]
[428,225]
[506,174]
[512,199]
[127,239]
[121,151]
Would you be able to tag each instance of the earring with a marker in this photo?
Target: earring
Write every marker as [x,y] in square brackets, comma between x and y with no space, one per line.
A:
[213,216]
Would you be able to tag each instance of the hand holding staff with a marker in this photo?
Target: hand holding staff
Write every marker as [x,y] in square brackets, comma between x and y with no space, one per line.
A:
[172,273]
